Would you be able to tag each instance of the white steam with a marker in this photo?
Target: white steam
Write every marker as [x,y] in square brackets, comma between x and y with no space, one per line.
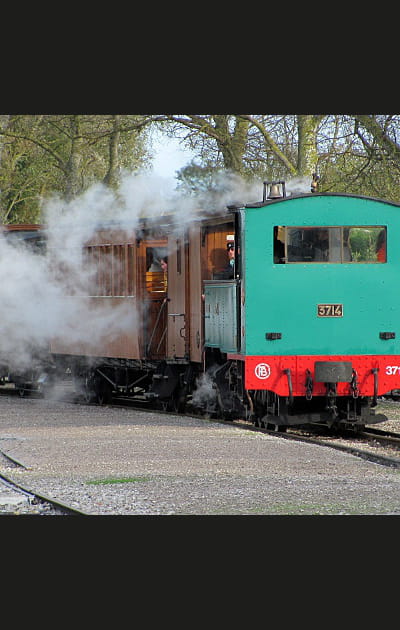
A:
[34,308]
[298,185]
[204,396]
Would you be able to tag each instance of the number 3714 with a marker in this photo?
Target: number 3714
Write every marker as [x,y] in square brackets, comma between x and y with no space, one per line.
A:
[392,369]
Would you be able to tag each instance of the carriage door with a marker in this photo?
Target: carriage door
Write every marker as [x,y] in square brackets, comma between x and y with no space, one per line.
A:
[178,333]
[154,292]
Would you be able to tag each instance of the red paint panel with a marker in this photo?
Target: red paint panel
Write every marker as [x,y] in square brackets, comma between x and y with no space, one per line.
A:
[267,372]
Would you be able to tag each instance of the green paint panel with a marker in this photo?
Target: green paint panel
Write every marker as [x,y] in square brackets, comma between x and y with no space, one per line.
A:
[283,298]
[220,315]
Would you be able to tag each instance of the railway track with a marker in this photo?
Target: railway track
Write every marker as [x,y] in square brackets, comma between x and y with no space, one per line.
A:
[374,445]
[347,441]
[385,437]
[370,439]
[16,499]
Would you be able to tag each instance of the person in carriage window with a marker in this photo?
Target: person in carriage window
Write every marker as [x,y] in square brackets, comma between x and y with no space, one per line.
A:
[164,264]
[230,267]
[321,246]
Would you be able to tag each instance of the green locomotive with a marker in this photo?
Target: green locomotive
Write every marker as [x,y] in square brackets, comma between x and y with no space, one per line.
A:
[312,332]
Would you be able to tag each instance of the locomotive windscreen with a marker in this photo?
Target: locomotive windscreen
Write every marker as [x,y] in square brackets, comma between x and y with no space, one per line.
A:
[333,244]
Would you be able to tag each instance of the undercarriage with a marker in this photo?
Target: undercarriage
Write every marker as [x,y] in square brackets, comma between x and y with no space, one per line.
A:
[180,385]
[265,408]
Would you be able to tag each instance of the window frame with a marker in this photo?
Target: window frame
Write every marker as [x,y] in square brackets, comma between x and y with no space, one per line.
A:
[283,230]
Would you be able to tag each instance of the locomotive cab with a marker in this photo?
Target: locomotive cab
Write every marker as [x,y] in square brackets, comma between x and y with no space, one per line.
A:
[317,317]
[306,330]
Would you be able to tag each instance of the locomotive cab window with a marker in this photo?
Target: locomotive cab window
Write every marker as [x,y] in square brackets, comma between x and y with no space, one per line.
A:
[330,244]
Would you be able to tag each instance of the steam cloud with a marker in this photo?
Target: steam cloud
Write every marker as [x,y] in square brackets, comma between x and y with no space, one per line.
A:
[32,292]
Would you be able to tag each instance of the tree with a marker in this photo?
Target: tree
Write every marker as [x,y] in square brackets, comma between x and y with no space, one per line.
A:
[196,179]
[43,154]
[111,177]
[351,153]
[64,154]
[24,173]
[253,144]
[359,155]
[383,130]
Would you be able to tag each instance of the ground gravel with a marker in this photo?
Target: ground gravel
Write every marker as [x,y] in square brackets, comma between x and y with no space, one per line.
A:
[119,461]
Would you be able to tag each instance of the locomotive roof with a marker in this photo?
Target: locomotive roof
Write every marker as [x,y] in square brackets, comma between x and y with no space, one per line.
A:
[260,204]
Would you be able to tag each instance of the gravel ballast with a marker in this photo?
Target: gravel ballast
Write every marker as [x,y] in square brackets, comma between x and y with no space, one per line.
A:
[122,461]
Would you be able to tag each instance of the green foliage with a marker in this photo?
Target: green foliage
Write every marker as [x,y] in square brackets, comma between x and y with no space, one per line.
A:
[357,175]
[41,155]
[65,154]
[350,153]
[363,243]
[196,179]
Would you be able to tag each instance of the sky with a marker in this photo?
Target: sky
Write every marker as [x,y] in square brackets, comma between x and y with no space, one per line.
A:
[169,157]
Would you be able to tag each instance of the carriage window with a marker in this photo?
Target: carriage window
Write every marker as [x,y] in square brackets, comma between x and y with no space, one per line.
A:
[355,244]
[111,270]
[156,278]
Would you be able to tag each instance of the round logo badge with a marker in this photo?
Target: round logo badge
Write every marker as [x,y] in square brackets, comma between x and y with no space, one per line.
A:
[262,371]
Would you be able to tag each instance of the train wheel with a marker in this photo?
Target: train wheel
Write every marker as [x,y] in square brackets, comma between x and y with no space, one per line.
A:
[182,399]
[177,401]
[172,406]
[45,388]
[101,398]
[104,395]
[89,395]
[274,426]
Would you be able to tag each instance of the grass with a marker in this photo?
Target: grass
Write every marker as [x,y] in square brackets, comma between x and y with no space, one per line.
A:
[112,480]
